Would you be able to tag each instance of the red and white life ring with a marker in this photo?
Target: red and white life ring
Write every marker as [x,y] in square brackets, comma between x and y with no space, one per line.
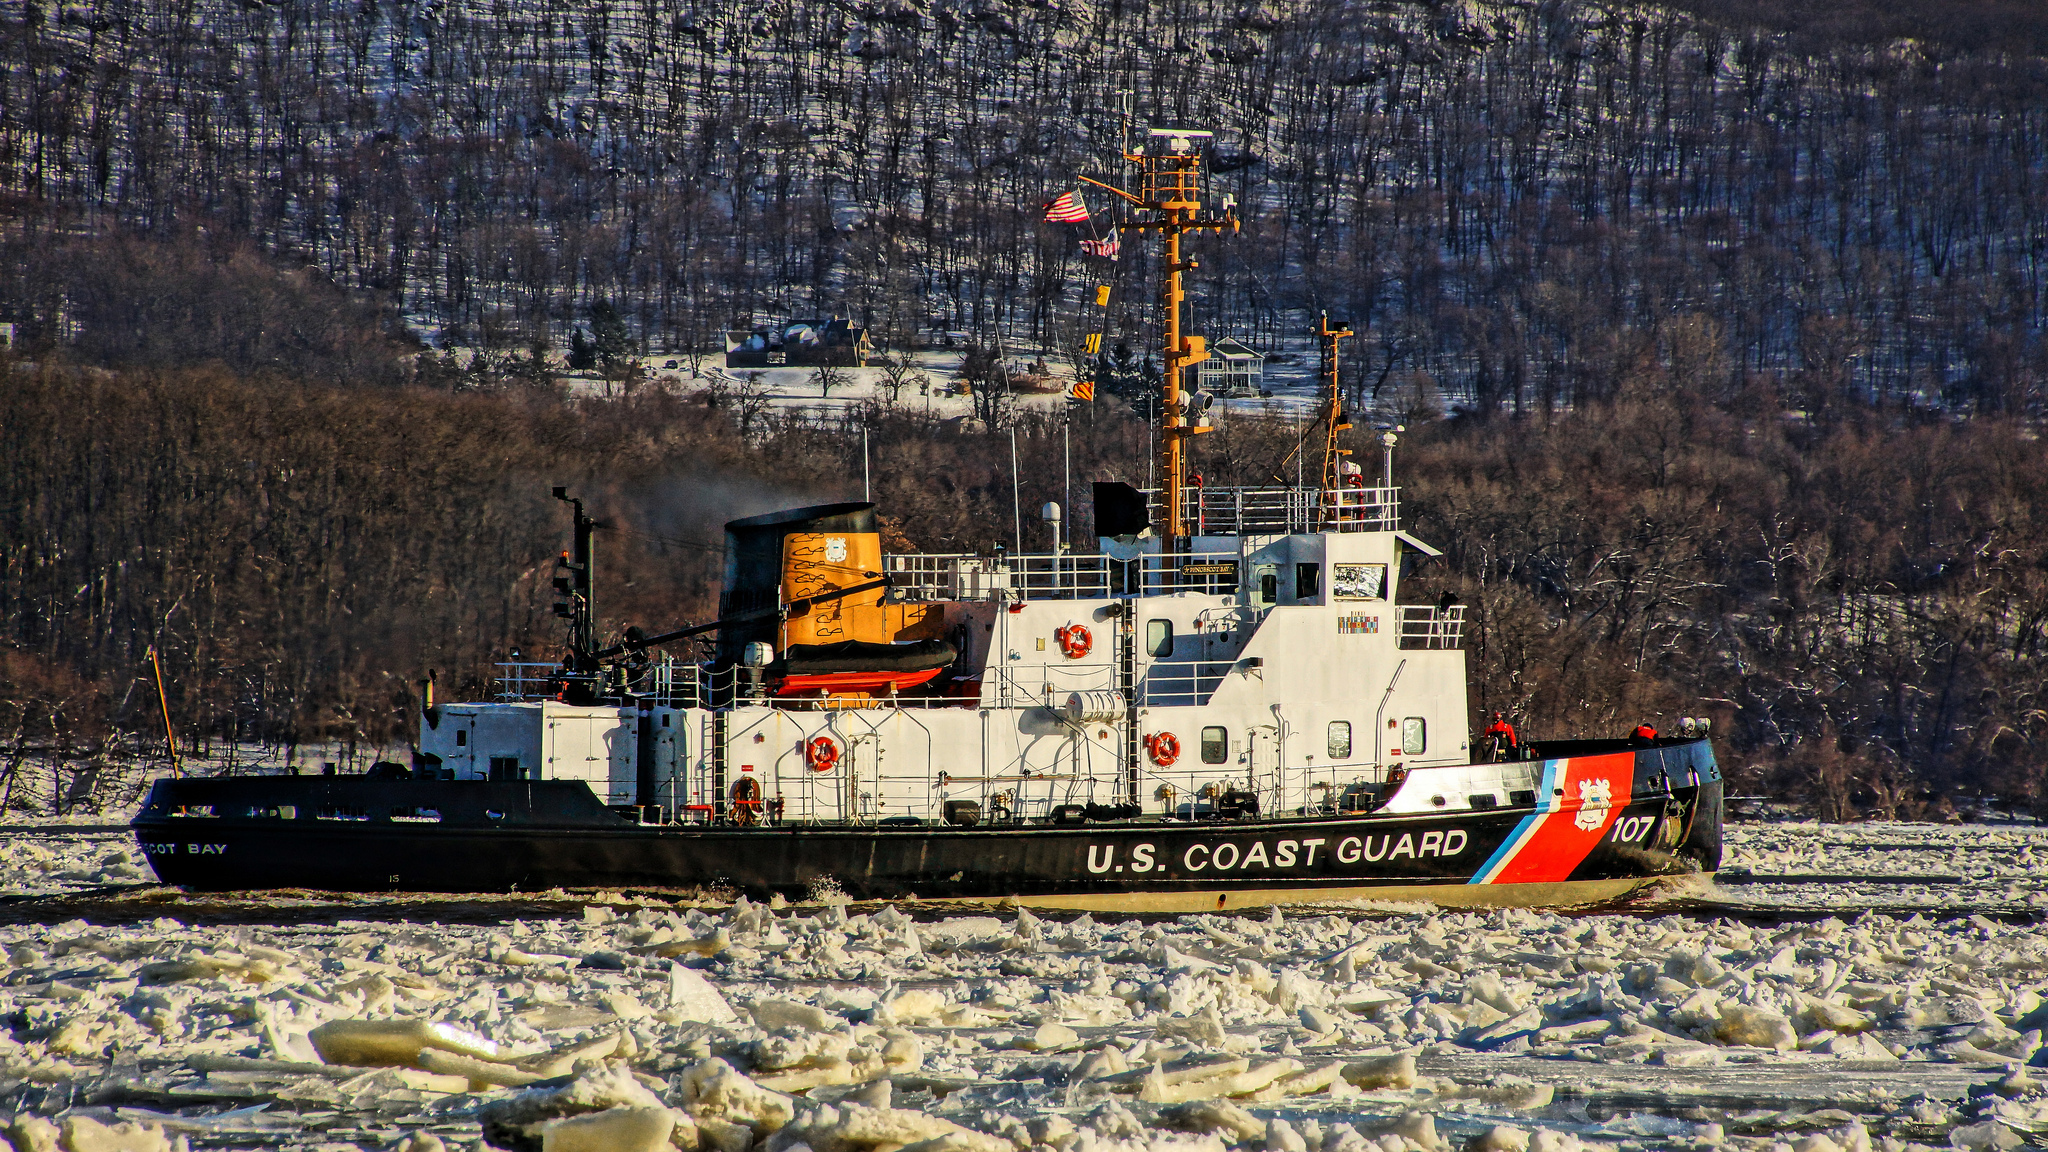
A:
[1074,640]
[821,754]
[1164,747]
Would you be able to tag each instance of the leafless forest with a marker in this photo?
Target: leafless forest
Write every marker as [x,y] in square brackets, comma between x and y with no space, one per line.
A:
[1514,196]
[1743,322]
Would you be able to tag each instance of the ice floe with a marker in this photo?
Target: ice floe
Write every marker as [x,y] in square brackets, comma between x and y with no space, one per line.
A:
[641,1024]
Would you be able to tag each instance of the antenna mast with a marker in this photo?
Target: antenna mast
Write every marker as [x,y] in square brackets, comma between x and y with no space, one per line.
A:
[1169,202]
[1333,412]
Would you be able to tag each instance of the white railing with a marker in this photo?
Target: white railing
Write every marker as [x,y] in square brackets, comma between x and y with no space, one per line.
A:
[1017,685]
[1065,577]
[1182,683]
[1275,511]
[1424,626]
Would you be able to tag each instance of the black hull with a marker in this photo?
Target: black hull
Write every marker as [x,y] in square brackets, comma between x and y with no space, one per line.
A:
[341,834]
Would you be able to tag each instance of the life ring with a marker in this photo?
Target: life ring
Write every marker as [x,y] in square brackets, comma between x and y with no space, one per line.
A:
[746,800]
[1074,640]
[1164,747]
[821,754]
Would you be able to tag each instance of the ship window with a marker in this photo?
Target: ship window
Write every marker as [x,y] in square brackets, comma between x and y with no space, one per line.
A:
[461,738]
[1159,637]
[506,768]
[664,719]
[1215,745]
[1269,587]
[1414,736]
[1339,741]
[1308,581]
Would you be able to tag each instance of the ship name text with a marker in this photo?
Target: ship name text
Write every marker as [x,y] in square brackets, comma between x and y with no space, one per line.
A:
[1305,853]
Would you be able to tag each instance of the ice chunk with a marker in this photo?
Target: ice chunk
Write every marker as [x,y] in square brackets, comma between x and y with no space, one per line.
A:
[707,946]
[1174,960]
[1418,1128]
[519,1122]
[563,1060]
[852,1128]
[1205,1029]
[612,1130]
[1501,1138]
[1219,1116]
[513,957]
[1823,1014]
[1989,1136]
[34,1134]
[1281,1137]
[244,968]
[84,1134]
[691,997]
[913,1006]
[1756,1027]
[1510,1092]
[1304,1083]
[1156,1088]
[772,1014]
[714,1088]
[1574,1033]
[376,1043]
[479,1075]
[1396,1071]
[1317,1021]
[1051,1038]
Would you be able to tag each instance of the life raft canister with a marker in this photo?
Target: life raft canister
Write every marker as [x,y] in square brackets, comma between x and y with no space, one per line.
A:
[1074,640]
[1164,747]
[821,754]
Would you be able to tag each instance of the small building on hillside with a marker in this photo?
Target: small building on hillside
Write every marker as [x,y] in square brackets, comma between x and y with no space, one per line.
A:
[835,342]
[1232,369]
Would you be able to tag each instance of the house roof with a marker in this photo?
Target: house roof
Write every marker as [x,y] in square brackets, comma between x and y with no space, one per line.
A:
[1231,348]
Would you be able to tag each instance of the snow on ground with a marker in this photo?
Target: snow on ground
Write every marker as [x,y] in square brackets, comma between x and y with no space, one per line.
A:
[1749,1018]
[1296,390]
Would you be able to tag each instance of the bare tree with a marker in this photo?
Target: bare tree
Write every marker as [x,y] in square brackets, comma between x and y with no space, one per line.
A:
[829,376]
[897,371]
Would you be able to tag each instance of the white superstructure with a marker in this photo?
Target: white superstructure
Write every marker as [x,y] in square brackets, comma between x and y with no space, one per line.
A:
[1262,661]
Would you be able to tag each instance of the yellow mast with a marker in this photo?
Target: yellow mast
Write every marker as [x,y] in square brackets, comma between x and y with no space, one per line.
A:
[1169,200]
[1333,412]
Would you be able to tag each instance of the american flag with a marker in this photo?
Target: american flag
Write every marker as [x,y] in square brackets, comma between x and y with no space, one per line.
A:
[1068,209]
[1104,248]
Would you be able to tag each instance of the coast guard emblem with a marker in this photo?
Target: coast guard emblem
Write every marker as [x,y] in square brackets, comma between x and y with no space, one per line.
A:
[1594,798]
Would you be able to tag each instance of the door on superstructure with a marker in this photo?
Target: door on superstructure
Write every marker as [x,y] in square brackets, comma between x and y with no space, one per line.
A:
[862,798]
[1262,770]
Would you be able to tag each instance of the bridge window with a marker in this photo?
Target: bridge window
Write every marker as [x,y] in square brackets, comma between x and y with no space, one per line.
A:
[1215,745]
[1339,741]
[1159,637]
[1308,581]
[1414,736]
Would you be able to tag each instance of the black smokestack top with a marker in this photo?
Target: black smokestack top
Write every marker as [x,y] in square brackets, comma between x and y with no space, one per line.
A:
[753,564]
